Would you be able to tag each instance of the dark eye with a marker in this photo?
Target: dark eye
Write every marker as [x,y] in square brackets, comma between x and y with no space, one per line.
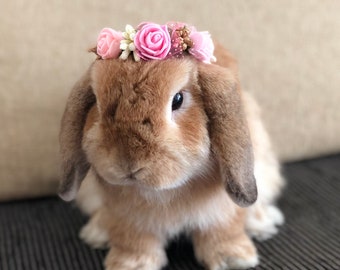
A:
[177,101]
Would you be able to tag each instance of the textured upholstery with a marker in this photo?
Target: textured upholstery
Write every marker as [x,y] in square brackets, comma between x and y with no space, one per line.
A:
[41,234]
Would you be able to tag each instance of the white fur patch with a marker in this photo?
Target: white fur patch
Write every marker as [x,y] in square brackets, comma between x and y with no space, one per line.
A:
[89,198]
[262,221]
[218,210]
[94,236]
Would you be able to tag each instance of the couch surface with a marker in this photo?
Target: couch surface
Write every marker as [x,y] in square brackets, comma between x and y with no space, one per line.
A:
[288,53]
[42,234]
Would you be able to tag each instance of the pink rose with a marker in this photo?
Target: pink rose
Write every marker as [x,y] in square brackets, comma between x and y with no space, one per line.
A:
[203,46]
[152,41]
[108,43]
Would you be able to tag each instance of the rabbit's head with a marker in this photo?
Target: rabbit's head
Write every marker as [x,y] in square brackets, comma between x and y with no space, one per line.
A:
[157,124]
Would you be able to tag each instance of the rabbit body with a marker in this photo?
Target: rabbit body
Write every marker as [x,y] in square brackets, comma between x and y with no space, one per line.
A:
[153,172]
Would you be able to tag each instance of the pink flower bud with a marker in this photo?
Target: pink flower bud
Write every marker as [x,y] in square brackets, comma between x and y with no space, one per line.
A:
[108,43]
[203,46]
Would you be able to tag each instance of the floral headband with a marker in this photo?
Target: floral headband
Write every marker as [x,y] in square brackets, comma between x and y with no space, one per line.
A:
[152,41]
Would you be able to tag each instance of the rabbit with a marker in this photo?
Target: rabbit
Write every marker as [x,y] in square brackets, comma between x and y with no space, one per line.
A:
[166,147]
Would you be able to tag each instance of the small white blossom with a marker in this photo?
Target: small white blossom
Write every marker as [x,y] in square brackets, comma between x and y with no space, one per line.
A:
[127,44]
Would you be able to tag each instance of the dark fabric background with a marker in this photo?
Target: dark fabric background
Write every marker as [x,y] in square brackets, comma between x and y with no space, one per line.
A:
[43,233]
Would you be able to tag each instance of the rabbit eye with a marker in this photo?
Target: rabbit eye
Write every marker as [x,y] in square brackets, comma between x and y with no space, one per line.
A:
[177,101]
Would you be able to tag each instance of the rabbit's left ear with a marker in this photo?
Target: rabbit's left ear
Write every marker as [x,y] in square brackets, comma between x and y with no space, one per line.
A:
[229,133]
[74,165]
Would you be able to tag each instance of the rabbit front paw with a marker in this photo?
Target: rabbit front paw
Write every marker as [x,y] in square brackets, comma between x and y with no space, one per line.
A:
[233,257]
[132,260]
[221,251]
[235,263]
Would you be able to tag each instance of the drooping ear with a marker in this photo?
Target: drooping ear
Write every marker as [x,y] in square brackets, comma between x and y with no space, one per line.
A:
[74,165]
[229,133]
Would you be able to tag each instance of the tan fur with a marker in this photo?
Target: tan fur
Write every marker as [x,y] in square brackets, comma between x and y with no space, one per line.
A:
[155,173]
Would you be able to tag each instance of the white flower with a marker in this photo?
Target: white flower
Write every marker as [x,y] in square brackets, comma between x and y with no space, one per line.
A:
[127,43]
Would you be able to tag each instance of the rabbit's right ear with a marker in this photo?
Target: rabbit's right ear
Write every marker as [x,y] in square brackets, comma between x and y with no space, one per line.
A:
[229,133]
[74,165]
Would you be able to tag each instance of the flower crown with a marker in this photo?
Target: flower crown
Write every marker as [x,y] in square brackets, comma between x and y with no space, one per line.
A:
[151,41]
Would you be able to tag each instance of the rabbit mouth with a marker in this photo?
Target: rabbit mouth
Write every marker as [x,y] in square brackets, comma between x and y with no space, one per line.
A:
[145,182]
[134,175]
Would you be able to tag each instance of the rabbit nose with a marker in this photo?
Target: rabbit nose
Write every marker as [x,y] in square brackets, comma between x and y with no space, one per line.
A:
[134,173]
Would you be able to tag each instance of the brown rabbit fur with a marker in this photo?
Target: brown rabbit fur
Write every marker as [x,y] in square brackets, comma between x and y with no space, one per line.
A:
[154,172]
